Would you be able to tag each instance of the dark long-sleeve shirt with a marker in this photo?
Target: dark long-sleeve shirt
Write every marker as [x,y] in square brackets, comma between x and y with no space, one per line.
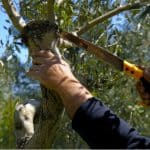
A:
[101,128]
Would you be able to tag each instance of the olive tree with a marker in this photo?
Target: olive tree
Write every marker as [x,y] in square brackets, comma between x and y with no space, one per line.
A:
[39,23]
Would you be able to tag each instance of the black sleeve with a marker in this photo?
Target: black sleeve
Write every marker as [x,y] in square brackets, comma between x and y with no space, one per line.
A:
[101,128]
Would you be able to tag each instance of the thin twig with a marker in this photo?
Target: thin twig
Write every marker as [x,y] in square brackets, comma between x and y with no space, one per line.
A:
[50,10]
[109,14]
[15,17]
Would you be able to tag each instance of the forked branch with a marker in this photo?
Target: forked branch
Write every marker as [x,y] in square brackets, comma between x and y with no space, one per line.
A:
[15,17]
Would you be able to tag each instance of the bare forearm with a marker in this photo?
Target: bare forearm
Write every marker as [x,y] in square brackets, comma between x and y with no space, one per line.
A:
[57,75]
[73,94]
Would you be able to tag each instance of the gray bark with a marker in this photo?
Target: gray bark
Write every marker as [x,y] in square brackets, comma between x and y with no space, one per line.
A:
[39,35]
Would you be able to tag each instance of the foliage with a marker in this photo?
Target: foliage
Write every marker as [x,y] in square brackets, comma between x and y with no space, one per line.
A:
[7,103]
[125,35]
[7,136]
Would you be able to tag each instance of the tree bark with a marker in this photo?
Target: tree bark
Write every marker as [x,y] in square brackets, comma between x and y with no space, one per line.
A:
[39,35]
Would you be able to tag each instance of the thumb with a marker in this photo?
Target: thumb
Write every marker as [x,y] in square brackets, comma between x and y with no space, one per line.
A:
[147,74]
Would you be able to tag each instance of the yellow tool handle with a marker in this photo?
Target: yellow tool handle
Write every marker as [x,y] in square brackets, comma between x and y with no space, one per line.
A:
[132,70]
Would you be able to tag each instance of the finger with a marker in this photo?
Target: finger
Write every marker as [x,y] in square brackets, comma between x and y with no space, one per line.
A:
[142,92]
[39,60]
[45,61]
[141,67]
[43,53]
[33,74]
[36,68]
[147,74]
[139,86]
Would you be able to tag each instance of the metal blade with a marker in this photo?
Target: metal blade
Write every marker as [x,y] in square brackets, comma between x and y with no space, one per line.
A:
[99,52]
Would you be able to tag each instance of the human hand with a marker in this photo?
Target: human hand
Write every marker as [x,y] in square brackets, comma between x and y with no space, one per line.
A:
[56,74]
[49,69]
[143,87]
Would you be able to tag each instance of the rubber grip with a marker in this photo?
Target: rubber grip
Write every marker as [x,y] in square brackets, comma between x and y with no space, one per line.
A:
[132,70]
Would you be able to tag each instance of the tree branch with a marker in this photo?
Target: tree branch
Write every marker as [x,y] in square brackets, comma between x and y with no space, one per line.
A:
[15,17]
[50,10]
[111,13]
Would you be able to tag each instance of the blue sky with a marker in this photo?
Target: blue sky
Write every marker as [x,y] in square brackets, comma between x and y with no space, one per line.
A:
[3,32]
[118,21]
[23,55]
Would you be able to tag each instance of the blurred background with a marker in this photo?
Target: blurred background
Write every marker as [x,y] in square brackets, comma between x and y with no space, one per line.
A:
[126,35]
